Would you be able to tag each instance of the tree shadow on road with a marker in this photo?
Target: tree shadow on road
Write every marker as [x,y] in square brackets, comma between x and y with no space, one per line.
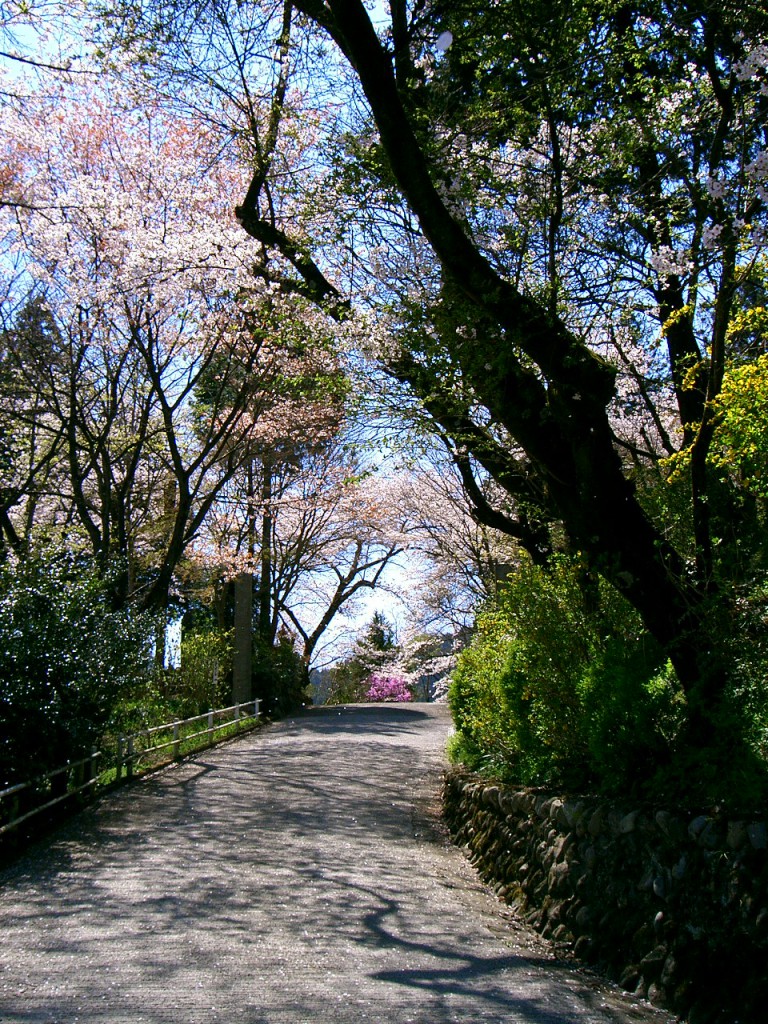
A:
[282,880]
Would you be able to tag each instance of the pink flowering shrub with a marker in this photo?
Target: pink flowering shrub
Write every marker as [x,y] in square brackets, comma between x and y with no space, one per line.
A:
[387,688]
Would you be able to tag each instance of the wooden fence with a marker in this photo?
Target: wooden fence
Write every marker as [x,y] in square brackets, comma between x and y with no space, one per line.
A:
[25,800]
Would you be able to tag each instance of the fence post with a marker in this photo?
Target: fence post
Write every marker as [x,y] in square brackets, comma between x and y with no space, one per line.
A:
[119,766]
[176,741]
[75,777]
[210,727]
[15,811]
[90,768]
[129,759]
[237,712]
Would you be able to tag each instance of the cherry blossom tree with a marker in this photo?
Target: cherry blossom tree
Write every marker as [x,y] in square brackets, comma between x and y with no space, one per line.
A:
[168,356]
[333,535]
[351,546]
[34,39]
[462,561]
[244,540]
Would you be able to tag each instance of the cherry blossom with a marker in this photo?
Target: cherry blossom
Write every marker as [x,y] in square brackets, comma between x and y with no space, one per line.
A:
[179,356]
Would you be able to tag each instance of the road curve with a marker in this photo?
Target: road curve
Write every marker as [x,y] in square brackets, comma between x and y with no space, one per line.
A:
[294,876]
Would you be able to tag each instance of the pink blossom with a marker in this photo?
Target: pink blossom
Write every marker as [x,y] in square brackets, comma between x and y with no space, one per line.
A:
[387,688]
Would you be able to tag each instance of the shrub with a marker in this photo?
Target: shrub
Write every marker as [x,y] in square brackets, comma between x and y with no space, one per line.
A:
[462,749]
[561,686]
[66,656]
[202,681]
[478,702]
[387,688]
[345,685]
[280,677]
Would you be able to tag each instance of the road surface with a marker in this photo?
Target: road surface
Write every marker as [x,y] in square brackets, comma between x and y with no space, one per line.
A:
[297,875]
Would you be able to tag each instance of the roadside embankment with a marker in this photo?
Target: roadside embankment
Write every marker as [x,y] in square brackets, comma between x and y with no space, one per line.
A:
[674,908]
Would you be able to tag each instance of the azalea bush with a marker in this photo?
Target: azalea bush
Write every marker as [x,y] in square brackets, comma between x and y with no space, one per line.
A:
[387,688]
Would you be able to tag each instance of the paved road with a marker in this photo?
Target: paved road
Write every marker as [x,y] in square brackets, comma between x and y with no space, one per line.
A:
[294,876]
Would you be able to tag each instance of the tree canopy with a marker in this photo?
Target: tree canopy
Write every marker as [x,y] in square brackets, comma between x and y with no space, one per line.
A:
[544,226]
[556,227]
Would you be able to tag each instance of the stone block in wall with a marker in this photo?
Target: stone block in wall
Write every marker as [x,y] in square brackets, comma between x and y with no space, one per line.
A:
[676,908]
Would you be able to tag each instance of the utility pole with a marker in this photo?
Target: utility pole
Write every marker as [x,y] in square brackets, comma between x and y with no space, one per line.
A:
[265,581]
[242,654]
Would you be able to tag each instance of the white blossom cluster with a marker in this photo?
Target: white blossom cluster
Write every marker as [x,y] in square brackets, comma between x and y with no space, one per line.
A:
[668,262]
[117,203]
[754,66]
[757,171]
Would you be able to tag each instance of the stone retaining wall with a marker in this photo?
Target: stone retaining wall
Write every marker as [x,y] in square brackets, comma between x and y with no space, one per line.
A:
[675,909]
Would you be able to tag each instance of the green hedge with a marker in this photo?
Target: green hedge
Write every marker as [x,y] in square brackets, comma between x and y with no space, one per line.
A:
[561,686]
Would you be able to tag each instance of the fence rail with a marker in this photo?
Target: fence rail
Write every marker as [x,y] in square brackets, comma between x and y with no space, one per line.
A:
[51,788]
